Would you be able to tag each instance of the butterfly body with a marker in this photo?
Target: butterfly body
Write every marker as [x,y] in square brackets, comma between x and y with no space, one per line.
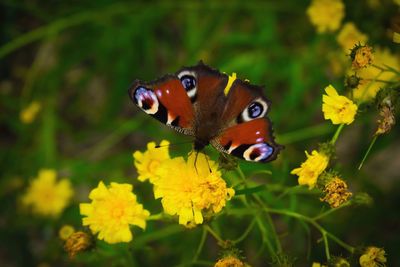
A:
[198,101]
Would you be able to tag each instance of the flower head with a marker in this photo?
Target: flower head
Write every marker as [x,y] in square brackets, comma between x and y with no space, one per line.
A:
[339,109]
[336,192]
[368,86]
[361,56]
[66,231]
[77,242]
[349,36]
[46,196]
[396,37]
[148,162]
[338,262]
[28,114]
[230,261]
[112,210]
[309,170]
[373,257]
[326,15]
[188,190]
[387,120]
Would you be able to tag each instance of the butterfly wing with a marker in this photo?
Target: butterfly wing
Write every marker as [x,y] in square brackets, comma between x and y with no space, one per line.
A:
[166,100]
[247,133]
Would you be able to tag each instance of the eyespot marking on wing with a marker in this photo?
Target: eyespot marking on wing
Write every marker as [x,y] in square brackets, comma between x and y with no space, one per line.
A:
[146,100]
[189,83]
[256,109]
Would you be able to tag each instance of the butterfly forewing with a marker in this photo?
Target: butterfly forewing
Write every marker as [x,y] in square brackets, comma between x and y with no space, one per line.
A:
[166,100]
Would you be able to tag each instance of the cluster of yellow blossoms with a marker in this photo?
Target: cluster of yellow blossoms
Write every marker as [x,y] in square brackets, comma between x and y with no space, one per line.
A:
[373,257]
[46,196]
[190,189]
[340,110]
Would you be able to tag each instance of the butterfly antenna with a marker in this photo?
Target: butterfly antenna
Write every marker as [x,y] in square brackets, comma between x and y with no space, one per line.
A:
[208,164]
[195,161]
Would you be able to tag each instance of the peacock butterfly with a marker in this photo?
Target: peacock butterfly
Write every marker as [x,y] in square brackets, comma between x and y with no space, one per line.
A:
[199,101]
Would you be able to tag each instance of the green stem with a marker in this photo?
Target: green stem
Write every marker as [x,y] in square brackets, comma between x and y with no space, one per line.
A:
[155,217]
[271,224]
[368,151]
[341,243]
[214,234]
[201,244]
[337,133]
[311,221]
[326,245]
[245,233]
[326,213]
[315,224]
[265,239]
[386,68]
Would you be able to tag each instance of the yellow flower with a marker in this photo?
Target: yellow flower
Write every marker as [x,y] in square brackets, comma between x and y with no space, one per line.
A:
[66,231]
[317,264]
[188,190]
[396,37]
[373,257]
[336,192]
[368,88]
[111,212]
[338,262]
[148,162]
[339,109]
[46,196]
[326,15]
[77,242]
[229,261]
[28,114]
[362,56]
[309,170]
[349,36]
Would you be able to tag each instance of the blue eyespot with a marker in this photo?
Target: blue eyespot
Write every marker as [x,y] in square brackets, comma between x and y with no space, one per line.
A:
[140,93]
[188,82]
[255,109]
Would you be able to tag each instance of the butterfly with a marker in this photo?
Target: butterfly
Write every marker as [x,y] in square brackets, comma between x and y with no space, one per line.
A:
[202,102]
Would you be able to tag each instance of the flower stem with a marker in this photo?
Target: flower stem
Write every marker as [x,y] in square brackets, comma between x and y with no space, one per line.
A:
[155,217]
[368,151]
[214,234]
[201,244]
[337,133]
[326,213]
[322,230]
[245,233]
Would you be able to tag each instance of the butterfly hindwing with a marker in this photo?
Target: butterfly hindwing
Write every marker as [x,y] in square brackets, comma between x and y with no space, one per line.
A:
[248,134]
[250,140]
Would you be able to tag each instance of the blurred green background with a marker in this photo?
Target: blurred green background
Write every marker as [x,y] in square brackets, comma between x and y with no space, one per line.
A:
[78,59]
